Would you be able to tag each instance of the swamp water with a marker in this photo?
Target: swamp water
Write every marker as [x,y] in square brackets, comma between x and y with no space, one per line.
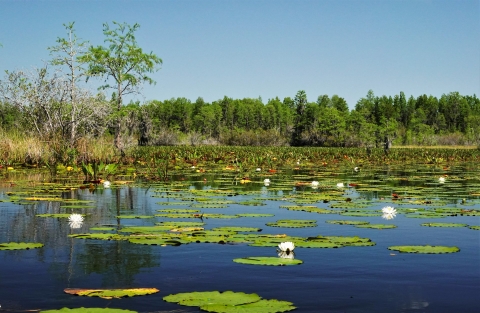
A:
[361,278]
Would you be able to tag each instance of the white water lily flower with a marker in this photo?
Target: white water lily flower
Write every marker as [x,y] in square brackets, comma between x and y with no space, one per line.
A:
[441,180]
[286,247]
[315,184]
[340,185]
[285,255]
[266,182]
[389,213]
[75,220]
[258,169]
[356,169]
[388,216]
[106,184]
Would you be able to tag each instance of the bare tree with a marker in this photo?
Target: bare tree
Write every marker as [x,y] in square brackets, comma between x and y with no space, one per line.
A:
[45,103]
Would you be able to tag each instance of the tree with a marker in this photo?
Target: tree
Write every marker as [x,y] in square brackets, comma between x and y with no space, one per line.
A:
[42,98]
[124,62]
[300,103]
[66,53]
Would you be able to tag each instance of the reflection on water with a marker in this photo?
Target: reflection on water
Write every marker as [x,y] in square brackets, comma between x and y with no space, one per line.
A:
[348,279]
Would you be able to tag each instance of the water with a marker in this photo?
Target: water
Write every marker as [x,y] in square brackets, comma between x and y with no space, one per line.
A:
[348,279]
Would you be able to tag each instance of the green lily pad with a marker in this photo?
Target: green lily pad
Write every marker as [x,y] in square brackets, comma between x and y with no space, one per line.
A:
[252,203]
[262,306]
[145,229]
[237,229]
[105,228]
[475,227]
[377,226]
[444,225]
[360,214]
[347,222]
[111,293]
[178,211]
[177,224]
[156,241]
[317,244]
[293,223]
[57,215]
[255,215]
[100,236]
[88,310]
[212,297]
[425,249]
[134,216]
[264,260]
[19,245]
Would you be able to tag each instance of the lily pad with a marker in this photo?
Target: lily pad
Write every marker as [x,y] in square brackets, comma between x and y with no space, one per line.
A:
[425,249]
[444,225]
[237,229]
[111,293]
[262,306]
[264,260]
[347,222]
[212,297]
[134,216]
[19,245]
[293,223]
[255,215]
[88,310]
[57,215]
[377,226]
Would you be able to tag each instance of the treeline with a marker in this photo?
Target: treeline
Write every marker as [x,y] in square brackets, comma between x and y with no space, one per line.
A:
[376,121]
[452,119]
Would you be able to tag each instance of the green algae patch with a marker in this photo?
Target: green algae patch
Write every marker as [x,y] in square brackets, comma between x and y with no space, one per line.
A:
[264,260]
[19,245]
[111,293]
[425,249]
[474,227]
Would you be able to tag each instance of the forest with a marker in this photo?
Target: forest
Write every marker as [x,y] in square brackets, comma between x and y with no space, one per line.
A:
[58,110]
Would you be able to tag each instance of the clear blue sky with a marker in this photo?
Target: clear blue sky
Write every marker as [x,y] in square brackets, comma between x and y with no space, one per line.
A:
[247,49]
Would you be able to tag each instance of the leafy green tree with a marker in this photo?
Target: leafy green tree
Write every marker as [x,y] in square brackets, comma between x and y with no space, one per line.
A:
[339,103]
[300,103]
[125,63]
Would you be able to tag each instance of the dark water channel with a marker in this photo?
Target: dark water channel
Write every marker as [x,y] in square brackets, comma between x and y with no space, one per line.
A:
[348,279]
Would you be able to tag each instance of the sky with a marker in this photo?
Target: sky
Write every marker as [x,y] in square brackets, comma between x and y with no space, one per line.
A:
[259,48]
